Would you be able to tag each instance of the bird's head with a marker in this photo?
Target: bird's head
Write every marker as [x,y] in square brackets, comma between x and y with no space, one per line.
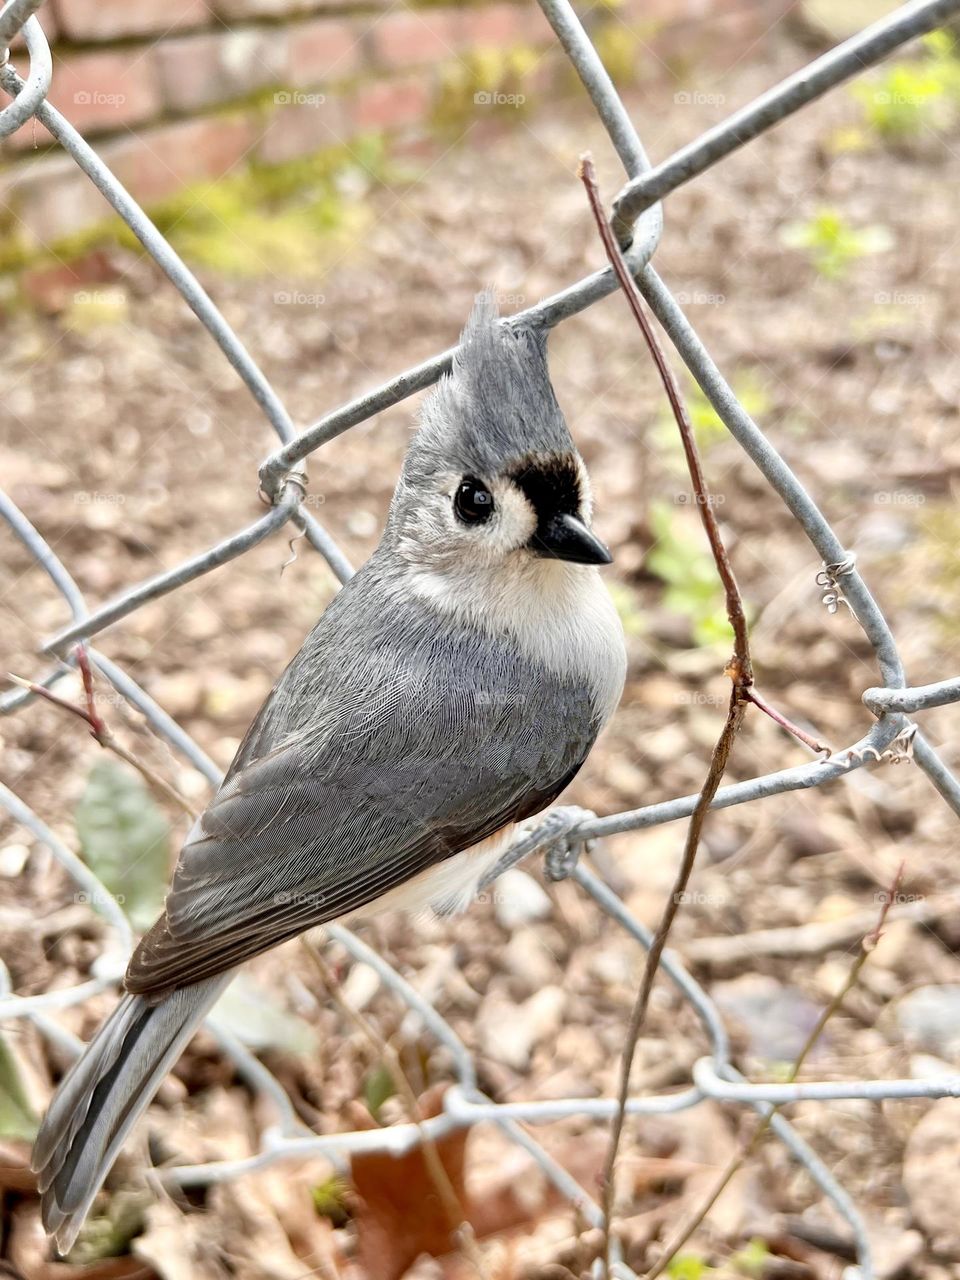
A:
[492,475]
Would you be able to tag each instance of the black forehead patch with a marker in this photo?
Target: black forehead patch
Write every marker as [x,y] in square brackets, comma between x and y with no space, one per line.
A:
[551,485]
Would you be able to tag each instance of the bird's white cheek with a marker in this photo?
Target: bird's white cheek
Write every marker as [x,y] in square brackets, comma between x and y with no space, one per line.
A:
[515,522]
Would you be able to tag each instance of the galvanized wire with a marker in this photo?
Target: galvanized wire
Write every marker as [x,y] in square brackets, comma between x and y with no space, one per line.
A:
[638,219]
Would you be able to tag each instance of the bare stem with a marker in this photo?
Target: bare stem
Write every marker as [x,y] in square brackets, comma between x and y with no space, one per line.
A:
[779,718]
[740,670]
[867,946]
[101,731]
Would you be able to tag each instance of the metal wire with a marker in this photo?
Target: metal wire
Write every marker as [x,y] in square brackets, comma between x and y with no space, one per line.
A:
[638,219]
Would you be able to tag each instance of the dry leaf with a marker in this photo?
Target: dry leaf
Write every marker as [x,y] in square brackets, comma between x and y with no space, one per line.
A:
[400,1214]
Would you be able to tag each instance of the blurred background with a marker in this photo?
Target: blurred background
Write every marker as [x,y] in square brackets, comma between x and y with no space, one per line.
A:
[344,178]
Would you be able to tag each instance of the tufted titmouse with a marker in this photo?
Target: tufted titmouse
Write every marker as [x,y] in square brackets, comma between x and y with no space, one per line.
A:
[451,689]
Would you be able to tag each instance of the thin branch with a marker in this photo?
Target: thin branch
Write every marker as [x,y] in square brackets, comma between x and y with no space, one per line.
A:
[460,1227]
[867,946]
[739,669]
[779,718]
[742,674]
[101,731]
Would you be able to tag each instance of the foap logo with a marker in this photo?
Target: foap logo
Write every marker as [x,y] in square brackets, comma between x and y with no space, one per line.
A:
[699,698]
[899,498]
[494,98]
[695,98]
[99,298]
[297,298]
[96,498]
[295,98]
[697,898]
[491,895]
[700,298]
[86,98]
[885,99]
[899,298]
[686,499]
[299,899]
[884,898]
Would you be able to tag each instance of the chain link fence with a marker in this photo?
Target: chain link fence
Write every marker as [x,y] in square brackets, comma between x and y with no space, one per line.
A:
[637,218]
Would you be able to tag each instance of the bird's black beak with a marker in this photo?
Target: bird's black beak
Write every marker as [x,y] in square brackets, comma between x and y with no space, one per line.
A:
[564,537]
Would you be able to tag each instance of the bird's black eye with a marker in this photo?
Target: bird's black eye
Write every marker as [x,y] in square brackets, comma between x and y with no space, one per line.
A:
[473,501]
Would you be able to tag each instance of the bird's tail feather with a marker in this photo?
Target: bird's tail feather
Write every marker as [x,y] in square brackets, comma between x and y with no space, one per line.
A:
[102,1096]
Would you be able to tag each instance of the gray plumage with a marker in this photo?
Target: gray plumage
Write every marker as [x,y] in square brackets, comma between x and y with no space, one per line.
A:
[452,688]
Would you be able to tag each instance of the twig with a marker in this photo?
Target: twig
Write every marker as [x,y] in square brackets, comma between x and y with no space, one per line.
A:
[459,1223]
[867,946]
[739,669]
[101,731]
[779,718]
[725,951]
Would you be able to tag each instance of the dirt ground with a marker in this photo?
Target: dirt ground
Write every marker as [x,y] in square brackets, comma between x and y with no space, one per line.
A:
[131,445]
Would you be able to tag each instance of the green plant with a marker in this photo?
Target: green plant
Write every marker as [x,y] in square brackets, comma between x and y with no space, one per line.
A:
[832,244]
[125,839]
[687,569]
[486,80]
[16,1115]
[264,219]
[330,1199]
[751,1259]
[688,1266]
[708,426]
[747,1262]
[629,608]
[910,96]
[378,1086]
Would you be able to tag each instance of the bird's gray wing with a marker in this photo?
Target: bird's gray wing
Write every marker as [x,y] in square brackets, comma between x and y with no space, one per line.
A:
[393,783]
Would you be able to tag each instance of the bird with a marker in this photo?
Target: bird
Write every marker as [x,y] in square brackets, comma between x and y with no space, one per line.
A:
[449,692]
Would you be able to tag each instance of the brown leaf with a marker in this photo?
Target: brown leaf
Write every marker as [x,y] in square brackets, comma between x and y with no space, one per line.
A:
[400,1214]
[15,1171]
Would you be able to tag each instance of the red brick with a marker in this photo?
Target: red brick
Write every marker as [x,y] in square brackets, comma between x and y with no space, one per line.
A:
[405,39]
[47,198]
[202,70]
[238,9]
[31,134]
[52,287]
[48,24]
[325,48]
[29,137]
[389,104]
[157,162]
[110,19]
[232,10]
[496,25]
[300,128]
[101,92]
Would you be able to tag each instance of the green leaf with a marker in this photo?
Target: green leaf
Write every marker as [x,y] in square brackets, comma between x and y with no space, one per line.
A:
[832,243]
[125,840]
[750,1260]
[16,1116]
[251,1014]
[687,1266]
[377,1088]
[331,1200]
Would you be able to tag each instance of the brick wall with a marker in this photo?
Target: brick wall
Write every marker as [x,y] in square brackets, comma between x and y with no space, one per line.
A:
[172,92]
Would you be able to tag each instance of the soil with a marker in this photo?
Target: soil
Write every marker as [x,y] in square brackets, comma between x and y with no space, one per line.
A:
[132,445]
